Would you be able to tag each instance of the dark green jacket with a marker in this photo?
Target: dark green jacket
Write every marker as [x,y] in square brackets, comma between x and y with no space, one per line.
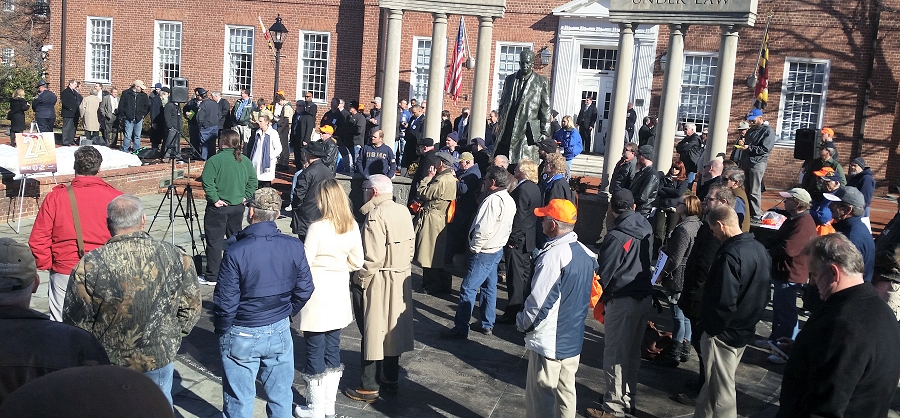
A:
[227,179]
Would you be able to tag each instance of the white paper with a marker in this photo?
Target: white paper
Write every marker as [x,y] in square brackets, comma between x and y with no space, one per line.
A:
[660,264]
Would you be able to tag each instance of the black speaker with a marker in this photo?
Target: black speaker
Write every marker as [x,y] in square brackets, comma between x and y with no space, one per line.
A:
[179,90]
[805,142]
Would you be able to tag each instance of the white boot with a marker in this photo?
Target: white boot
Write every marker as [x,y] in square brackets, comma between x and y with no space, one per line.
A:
[332,381]
[315,398]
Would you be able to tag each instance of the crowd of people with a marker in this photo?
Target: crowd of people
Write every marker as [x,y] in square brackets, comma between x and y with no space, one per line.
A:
[130,298]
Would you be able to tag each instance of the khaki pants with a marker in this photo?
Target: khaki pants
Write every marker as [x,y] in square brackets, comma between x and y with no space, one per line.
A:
[56,294]
[718,396]
[550,387]
[626,320]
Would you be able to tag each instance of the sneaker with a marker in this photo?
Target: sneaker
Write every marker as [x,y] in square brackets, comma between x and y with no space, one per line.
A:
[761,343]
[201,280]
[776,359]
[479,328]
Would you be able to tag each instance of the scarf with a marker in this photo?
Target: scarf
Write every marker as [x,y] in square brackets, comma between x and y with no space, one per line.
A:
[265,162]
[240,110]
[552,180]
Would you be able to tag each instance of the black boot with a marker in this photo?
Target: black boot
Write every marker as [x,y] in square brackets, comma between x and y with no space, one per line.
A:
[685,351]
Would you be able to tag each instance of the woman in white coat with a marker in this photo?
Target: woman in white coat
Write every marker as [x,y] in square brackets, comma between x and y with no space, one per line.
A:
[266,148]
[334,250]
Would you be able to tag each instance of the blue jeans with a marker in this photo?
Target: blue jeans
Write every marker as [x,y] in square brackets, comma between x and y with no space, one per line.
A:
[323,351]
[346,163]
[690,179]
[399,146]
[132,133]
[681,326]
[267,350]
[163,378]
[482,273]
[784,310]
[208,138]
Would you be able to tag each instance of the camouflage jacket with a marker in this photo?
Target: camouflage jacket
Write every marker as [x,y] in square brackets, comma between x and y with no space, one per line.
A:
[138,296]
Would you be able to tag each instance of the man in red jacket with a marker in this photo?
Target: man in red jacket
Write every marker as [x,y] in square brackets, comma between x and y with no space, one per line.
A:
[53,239]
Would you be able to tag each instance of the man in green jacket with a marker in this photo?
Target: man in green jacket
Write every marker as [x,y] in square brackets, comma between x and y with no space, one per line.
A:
[229,180]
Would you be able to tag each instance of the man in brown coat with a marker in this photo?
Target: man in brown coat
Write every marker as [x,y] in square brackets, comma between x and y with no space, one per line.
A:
[381,291]
[436,191]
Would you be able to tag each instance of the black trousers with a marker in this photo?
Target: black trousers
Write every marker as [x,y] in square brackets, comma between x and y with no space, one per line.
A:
[436,280]
[219,223]
[518,279]
[390,366]
[68,131]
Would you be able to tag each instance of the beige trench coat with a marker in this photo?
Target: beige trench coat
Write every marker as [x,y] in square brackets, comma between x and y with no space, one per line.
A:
[388,240]
[431,238]
[90,113]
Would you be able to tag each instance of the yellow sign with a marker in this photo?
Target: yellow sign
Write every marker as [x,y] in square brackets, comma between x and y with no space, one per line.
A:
[37,152]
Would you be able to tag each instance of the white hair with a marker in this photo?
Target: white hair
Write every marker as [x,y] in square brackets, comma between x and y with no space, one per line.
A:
[381,183]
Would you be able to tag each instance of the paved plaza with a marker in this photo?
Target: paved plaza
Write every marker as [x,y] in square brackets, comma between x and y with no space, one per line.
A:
[480,377]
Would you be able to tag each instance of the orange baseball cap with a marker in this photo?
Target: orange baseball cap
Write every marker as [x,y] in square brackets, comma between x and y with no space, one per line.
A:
[824,171]
[326,129]
[560,209]
[827,130]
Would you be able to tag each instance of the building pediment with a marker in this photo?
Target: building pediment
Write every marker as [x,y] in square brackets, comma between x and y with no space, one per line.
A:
[586,9]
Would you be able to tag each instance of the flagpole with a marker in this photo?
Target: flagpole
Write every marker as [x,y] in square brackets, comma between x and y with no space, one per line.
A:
[763,43]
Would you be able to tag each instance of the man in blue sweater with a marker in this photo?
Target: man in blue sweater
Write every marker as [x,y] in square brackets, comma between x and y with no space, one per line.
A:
[553,315]
[376,158]
[847,208]
[263,280]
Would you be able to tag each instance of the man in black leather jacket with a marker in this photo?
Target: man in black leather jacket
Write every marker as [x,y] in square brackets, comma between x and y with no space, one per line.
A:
[625,168]
[645,184]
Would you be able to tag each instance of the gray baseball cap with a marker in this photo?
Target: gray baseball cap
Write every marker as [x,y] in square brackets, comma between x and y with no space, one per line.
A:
[849,195]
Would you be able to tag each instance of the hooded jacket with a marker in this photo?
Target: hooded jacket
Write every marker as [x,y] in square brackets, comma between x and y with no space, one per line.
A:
[624,256]
[865,182]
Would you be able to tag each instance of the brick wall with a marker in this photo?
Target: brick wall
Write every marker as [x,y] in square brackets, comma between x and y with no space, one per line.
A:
[138,181]
[841,32]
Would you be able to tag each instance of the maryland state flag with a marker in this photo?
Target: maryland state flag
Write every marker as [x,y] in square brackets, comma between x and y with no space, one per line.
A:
[762,81]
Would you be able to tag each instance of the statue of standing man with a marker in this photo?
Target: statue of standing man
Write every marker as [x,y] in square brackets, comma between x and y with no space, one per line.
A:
[524,111]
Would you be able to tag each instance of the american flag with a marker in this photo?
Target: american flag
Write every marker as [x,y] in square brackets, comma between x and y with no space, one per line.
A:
[453,84]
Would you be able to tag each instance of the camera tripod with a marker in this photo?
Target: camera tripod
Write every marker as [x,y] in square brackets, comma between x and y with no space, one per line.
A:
[186,206]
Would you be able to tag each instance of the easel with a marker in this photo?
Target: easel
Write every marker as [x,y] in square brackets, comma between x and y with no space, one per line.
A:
[24,179]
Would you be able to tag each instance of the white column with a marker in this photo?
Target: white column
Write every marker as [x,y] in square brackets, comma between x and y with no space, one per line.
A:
[664,143]
[720,112]
[482,77]
[619,105]
[391,84]
[436,77]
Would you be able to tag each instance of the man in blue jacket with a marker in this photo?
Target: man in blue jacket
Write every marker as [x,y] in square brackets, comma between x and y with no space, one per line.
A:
[625,274]
[264,279]
[847,208]
[553,315]
[43,105]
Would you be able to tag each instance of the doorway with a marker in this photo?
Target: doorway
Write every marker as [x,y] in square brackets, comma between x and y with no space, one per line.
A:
[599,88]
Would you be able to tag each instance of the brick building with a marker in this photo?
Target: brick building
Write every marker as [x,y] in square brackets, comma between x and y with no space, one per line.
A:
[831,63]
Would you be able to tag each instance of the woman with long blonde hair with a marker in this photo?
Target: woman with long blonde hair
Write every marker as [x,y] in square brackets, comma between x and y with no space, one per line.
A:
[334,250]
[17,107]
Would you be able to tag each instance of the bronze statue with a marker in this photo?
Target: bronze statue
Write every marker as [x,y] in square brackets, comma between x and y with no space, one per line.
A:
[524,112]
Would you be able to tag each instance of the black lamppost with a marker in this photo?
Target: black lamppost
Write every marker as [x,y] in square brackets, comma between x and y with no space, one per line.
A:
[277,32]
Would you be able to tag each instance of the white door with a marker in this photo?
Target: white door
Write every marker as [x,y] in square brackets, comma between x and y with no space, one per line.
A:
[599,88]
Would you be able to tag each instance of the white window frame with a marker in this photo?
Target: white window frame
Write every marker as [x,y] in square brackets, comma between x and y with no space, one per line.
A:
[711,78]
[415,68]
[226,65]
[8,57]
[784,93]
[157,59]
[301,68]
[88,51]
[9,5]
[498,78]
